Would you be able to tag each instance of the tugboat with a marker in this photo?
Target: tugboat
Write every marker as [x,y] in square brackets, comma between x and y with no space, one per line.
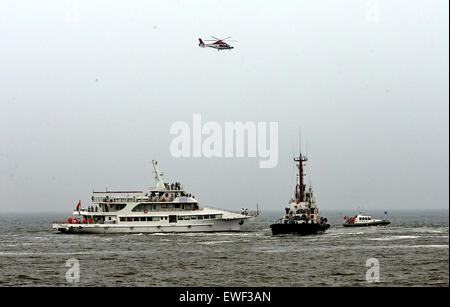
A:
[360,220]
[302,215]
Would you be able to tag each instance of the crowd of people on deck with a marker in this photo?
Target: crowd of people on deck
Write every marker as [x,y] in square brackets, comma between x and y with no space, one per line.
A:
[174,186]
[89,208]
[157,196]
[323,220]
[350,220]
[79,220]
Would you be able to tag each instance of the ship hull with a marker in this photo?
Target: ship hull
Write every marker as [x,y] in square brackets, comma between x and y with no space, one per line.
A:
[216,226]
[298,229]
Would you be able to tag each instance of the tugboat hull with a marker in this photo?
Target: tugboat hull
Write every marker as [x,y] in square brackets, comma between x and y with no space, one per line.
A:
[299,229]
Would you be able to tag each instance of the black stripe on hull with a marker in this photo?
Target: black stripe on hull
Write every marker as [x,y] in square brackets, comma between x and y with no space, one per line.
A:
[298,229]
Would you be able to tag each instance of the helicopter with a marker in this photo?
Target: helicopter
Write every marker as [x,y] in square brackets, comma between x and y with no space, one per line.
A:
[218,44]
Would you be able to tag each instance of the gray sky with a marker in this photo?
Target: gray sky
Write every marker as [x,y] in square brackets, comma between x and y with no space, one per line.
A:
[87,98]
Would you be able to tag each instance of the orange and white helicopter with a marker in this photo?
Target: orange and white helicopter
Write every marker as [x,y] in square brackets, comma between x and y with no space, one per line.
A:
[218,44]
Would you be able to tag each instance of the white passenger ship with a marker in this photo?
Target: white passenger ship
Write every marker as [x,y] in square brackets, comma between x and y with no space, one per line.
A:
[165,208]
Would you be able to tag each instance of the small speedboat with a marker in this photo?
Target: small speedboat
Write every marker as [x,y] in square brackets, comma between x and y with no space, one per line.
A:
[360,220]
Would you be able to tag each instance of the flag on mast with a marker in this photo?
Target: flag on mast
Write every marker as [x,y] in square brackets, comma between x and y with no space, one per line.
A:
[79,204]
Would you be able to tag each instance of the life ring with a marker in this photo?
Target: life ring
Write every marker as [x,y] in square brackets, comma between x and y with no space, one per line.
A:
[145,211]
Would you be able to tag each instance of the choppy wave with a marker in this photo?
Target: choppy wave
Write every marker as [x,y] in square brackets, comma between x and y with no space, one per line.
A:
[39,257]
[390,238]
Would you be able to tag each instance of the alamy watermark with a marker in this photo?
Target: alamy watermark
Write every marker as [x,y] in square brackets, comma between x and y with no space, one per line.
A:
[372,11]
[72,11]
[73,273]
[226,141]
[373,273]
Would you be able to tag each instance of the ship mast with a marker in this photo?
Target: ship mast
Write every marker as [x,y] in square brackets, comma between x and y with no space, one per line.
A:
[300,189]
[158,176]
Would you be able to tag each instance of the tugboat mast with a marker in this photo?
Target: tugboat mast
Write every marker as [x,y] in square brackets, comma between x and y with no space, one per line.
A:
[300,189]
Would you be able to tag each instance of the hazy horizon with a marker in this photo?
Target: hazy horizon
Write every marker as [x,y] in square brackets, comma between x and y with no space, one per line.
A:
[89,92]
[276,211]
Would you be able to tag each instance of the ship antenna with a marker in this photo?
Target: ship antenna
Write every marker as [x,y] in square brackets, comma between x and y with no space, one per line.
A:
[309,167]
[301,174]
[293,181]
[300,137]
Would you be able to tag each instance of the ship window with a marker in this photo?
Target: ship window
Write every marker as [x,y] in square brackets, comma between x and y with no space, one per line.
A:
[177,206]
[193,217]
[200,217]
[172,218]
[142,207]
[123,219]
[212,216]
[206,217]
[156,218]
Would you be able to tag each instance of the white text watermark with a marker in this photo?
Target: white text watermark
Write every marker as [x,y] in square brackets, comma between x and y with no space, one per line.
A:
[226,141]
[73,273]
[373,273]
